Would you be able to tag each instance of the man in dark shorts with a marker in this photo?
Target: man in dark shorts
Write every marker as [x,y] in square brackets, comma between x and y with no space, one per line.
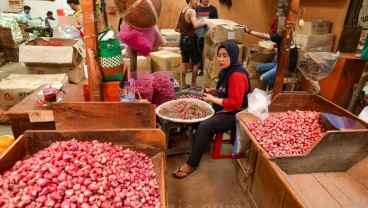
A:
[186,25]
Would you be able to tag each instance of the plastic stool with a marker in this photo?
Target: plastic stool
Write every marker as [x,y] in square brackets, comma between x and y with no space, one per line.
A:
[216,151]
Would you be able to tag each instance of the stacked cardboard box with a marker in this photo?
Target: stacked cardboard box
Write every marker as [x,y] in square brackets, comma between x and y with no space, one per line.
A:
[259,56]
[67,59]
[314,36]
[143,64]
[18,86]
[167,61]
[220,30]
[171,36]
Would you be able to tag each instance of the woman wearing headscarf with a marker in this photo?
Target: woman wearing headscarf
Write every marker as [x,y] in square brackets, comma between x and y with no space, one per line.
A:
[228,98]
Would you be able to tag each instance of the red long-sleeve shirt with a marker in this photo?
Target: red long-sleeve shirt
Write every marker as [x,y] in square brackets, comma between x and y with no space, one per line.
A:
[238,85]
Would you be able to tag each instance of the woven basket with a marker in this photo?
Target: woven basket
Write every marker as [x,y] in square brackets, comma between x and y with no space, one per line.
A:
[141,14]
[173,102]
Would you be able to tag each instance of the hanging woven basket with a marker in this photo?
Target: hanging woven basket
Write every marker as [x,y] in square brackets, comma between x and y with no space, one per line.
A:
[141,14]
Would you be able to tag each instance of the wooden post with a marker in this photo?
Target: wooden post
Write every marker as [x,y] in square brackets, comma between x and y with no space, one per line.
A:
[285,49]
[90,40]
[133,60]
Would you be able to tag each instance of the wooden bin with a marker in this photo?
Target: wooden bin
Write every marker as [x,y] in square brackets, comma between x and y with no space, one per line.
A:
[333,173]
[149,141]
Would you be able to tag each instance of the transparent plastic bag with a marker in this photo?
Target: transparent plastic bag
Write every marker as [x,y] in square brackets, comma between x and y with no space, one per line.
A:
[142,84]
[69,31]
[258,102]
[317,65]
[242,141]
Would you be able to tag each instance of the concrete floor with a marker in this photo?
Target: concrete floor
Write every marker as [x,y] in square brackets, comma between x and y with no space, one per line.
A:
[213,184]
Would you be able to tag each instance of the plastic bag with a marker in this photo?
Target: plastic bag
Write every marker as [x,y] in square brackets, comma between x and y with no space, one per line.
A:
[142,85]
[69,31]
[5,142]
[258,102]
[139,40]
[317,65]
[163,89]
[242,141]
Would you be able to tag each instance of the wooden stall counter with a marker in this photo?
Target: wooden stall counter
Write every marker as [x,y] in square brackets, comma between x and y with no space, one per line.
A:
[19,114]
[333,173]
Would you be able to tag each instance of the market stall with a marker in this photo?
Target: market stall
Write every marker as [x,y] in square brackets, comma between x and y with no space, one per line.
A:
[315,178]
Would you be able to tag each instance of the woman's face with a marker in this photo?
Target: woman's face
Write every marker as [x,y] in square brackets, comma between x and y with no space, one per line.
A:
[223,58]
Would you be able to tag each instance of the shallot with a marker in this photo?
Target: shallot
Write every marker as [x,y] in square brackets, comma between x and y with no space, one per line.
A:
[288,133]
[186,110]
[81,174]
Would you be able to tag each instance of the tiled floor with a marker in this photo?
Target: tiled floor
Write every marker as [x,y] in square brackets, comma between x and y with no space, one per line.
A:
[213,184]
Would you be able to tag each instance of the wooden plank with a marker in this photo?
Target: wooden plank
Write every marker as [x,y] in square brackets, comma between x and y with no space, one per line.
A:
[15,152]
[90,40]
[360,172]
[73,93]
[355,191]
[290,202]
[41,116]
[313,191]
[103,115]
[334,191]
[335,151]
[266,189]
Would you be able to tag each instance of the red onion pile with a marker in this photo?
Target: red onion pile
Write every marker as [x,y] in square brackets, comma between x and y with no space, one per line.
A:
[287,133]
[190,96]
[185,110]
[163,89]
[81,174]
[142,84]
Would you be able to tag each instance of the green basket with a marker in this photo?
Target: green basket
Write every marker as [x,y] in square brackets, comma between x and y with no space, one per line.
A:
[111,60]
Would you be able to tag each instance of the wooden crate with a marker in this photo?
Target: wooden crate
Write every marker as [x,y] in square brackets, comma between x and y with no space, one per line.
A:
[16,4]
[149,141]
[13,11]
[312,179]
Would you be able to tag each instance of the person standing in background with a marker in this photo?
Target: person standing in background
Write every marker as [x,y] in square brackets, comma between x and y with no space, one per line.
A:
[204,11]
[49,17]
[186,25]
[25,13]
[75,5]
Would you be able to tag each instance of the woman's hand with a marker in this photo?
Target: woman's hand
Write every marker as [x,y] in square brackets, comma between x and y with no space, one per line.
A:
[207,97]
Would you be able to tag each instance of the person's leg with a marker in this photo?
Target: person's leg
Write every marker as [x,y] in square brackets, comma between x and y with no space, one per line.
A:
[262,68]
[220,122]
[268,78]
[196,57]
[185,61]
[195,74]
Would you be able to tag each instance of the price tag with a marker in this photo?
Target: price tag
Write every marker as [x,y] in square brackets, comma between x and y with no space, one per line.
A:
[231,35]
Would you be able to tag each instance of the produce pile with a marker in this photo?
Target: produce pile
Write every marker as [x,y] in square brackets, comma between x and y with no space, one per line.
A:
[52,43]
[17,17]
[163,89]
[190,96]
[185,110]
[81,174]
[142,84]
[288,133]
[14,27]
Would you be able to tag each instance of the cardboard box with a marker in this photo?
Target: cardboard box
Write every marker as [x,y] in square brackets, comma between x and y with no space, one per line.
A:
[210,51]
[171,36]
[262,57]
[317,27]
[211,67]
[75,74]
[143,64]
[171,49]
[267,44]
[208,82]
[166,61]
[221,30]
[313,41]
[18,86]
[71,54]
[63,21]
[319,49]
